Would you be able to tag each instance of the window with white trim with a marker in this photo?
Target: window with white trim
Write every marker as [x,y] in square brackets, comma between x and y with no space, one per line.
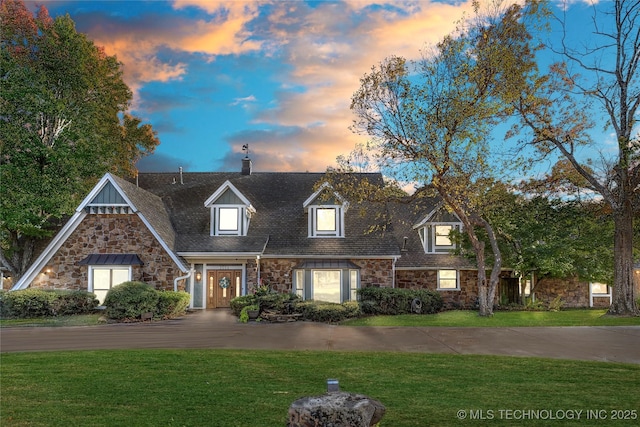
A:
[436,237]
[448,280]
[326,221]
[231,212]
[229,220]
[103,278]
[326,285]
[600,289]
[331,285]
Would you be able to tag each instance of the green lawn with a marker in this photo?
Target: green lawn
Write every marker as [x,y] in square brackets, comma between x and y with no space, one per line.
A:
[255,388]
[78,320]
[577,317]
[501,319]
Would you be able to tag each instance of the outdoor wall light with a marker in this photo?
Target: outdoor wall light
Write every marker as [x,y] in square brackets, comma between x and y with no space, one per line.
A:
[198,276]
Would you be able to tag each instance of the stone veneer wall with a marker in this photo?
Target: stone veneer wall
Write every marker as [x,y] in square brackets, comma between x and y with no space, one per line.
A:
[466,297]
[573,293]
[278,273]
[106,234]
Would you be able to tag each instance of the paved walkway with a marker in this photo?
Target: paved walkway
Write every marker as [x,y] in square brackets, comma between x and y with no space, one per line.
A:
[219,329]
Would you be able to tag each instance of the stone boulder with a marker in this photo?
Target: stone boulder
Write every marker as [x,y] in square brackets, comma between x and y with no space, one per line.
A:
[338,409]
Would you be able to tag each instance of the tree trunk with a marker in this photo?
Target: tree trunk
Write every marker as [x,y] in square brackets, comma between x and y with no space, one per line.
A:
[623,301]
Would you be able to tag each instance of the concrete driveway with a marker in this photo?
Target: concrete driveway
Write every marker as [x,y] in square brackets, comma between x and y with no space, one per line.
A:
[219,329]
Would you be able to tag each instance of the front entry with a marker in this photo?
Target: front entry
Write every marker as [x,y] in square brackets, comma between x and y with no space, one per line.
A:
[223,286]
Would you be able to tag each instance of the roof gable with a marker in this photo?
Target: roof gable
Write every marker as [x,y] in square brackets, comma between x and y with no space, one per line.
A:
[438,214]
[107,192]
[320,197]
[227,193]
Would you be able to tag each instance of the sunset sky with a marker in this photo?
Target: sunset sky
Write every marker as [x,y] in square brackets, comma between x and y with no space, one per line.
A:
[279,75]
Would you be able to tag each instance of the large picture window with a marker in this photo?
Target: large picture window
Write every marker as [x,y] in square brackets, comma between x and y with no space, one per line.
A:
[104,278]
[326,285]
[324,280]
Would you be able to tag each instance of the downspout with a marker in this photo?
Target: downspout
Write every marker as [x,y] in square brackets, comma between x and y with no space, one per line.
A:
[393,270]
[258,270]
[177,279]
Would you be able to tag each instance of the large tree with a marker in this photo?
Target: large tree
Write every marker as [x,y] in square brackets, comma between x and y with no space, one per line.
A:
[431,121]
[558,110]
[63,124]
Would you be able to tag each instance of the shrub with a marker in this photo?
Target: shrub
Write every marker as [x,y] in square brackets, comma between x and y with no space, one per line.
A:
[238,303]
[282,303]
[556,304]
[172,304]
[327,312]
[30,303]
[392,301]
[244,313]
[129,300]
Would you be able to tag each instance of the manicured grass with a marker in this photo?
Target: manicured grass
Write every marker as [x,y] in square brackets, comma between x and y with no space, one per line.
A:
[255,388]
[460,318]
[78,320]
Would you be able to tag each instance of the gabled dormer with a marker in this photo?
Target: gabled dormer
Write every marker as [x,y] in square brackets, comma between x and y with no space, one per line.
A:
[435,230]
[107,198]
[231,211]
[326,210]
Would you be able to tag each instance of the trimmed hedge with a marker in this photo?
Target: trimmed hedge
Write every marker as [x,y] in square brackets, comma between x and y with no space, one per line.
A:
[327,312]
[32,302]
[128,301]
[284,303]
[172,304]
[392,301]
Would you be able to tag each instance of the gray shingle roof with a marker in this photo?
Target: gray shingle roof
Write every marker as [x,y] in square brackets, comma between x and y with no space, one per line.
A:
[279,225]
[405,216]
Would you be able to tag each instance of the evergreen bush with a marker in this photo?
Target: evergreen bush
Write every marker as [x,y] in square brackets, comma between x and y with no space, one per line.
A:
[393,301]
[33,302]
[130,300]
[327,312]
[238,303]
[172,304]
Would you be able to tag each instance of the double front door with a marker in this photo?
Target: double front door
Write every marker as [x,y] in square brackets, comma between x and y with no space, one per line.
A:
[222,287]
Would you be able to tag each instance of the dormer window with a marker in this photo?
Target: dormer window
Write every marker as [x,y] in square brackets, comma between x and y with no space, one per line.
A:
[435,231]
[326,213]
[230,211]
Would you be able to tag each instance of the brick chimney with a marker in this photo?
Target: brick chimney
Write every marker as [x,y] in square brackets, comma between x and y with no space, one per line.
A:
[246,166]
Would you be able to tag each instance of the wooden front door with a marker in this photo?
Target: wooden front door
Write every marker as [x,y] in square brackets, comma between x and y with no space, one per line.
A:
[222,287]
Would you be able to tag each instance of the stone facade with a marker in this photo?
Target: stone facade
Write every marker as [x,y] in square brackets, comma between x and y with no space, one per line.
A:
[465,298]
[573,293]
[278,273]
[104,234]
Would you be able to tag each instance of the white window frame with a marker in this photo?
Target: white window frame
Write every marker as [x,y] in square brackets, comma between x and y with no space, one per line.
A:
[241,221]
[313,282]
[354,284]
[457,288]
[299,284]
[313,221]
[593,295]
[428,236]
[90,286]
